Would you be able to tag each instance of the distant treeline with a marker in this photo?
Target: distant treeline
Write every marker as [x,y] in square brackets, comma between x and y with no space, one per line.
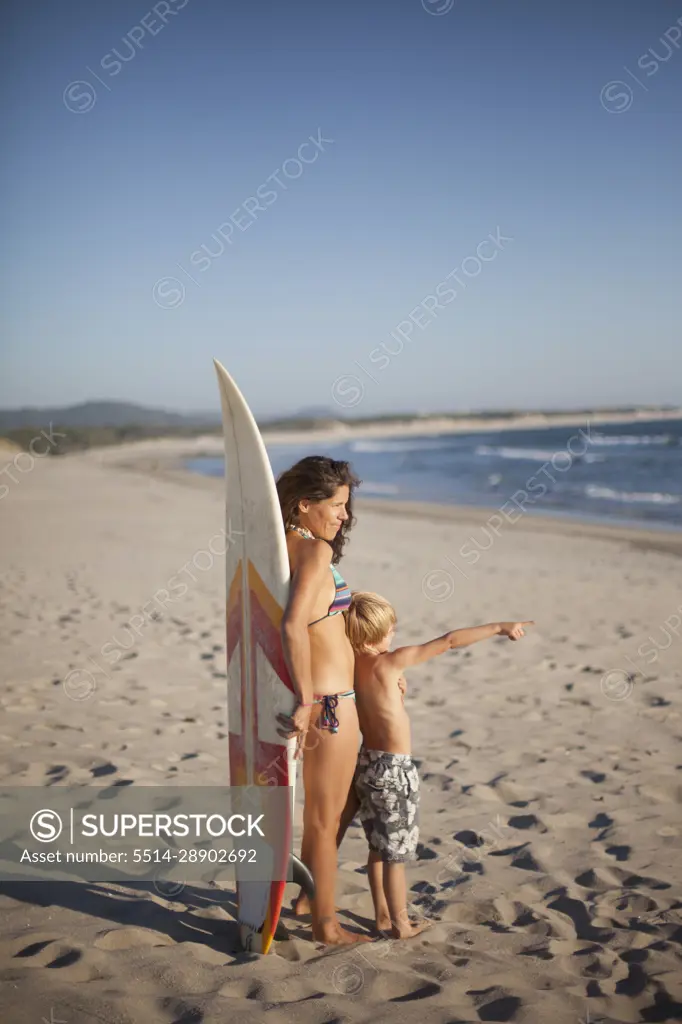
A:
[74,439]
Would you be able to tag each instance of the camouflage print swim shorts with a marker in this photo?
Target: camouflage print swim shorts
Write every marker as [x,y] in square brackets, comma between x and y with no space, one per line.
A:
[388,790]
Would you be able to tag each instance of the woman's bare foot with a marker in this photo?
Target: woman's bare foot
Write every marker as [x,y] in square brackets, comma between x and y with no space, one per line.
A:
[409,930]
[332,934]
[302,905]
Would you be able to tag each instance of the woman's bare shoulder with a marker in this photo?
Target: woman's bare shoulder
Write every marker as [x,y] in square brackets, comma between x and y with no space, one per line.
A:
[309,554]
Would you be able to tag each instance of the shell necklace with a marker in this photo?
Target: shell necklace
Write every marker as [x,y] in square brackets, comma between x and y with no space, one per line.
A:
[303,531]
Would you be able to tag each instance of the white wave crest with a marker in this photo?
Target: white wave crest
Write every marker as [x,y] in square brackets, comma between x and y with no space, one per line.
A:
[652,497]
[533,454]
[379,447]
[606,439]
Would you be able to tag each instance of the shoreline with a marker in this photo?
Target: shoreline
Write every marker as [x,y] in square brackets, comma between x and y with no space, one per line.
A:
[166,456]
[658,538]
[415,427]
[212,444]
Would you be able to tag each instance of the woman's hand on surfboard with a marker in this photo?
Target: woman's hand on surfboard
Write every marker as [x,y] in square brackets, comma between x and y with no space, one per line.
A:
[515,630]
[296,724]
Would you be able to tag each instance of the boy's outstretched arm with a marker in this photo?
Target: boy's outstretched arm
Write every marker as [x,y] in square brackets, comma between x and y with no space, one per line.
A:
[405,657]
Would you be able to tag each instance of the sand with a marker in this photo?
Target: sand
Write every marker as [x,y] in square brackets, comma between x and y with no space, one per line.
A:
[549,862]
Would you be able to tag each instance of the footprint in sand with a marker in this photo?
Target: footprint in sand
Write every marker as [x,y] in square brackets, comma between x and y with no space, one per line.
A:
[425,852]
[526,821]
[179,1012]
[494,1004]
[443,782]
[578,914]
[524,860]
[131,938]
[619,852]
[33,949]
[67,959]
[468,838]
[537,952]
[54,954]
[596,777]
[600,821]
[422,992]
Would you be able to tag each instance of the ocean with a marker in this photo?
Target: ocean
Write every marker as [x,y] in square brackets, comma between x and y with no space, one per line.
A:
[630,474]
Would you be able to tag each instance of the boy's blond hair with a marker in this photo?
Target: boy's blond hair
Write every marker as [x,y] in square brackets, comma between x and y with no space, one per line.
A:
[368,619]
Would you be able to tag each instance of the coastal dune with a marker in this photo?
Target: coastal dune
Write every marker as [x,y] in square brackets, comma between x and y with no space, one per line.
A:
[550,824]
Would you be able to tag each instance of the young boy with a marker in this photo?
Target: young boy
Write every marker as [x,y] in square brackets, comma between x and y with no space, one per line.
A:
[386,784]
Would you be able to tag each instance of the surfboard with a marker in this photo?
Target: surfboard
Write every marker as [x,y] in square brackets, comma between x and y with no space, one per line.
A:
[258,684]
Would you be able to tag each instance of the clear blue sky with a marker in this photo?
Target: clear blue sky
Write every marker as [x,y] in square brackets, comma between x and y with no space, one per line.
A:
[446,127]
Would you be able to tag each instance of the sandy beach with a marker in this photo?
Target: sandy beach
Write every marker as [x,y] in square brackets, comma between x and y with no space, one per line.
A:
[550,823]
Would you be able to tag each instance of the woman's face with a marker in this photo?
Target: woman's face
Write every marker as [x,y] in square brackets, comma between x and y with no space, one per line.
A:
[325,518]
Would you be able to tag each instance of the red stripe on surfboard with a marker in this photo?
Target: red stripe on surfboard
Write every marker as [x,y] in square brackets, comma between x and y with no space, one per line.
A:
[271,763]
[237,754]
[270,759]
[270,766]
[234,611]
[268,638]
[234,630]
[266,618]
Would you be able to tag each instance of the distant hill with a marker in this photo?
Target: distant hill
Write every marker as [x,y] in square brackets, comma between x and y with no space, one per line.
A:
[97,423]
[90,415]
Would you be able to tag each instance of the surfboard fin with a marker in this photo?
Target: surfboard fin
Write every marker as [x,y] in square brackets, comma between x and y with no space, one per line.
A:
[301,876]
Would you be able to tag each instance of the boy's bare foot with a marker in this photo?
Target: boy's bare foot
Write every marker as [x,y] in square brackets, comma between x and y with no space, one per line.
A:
[409,930]
[332,934]
[383,924]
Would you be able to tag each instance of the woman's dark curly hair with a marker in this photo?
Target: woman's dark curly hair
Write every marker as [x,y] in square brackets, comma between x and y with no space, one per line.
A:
[317,478]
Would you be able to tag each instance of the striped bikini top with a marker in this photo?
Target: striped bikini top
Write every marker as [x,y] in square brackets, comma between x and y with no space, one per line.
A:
[341,598]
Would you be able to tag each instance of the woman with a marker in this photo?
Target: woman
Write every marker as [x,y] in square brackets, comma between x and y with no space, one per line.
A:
[316,498]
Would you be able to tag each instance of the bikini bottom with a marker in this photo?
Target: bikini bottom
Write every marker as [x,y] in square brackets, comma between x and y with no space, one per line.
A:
[329,702]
